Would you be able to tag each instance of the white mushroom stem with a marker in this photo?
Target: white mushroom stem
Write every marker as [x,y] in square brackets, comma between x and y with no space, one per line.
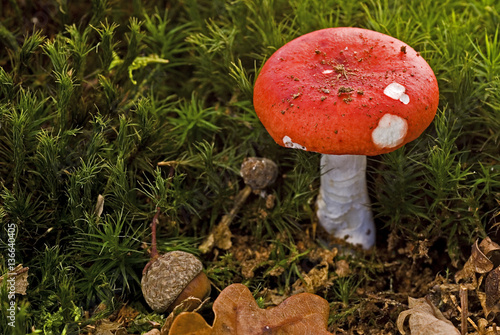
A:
[343,203]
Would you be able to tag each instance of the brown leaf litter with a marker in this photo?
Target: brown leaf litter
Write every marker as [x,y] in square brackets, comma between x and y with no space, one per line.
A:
[237,313]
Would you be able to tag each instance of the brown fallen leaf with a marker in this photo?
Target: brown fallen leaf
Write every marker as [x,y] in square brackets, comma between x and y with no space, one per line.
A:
[190,323]
[106,327]
[481,255]
[492,292]
[20,282]
[251,259]
[425,319]
[237,313]
[478,262]
[316,278]
[191,304]
[342,268]
[484,329]
[99,206]
[126,314]
[153,331]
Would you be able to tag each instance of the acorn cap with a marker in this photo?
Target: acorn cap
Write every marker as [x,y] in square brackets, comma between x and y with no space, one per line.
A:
[258,172]
[346,91]
[167,277]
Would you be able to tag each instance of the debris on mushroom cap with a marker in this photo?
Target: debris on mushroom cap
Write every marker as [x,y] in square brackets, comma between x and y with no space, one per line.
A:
[287,141]
[381,84]
[258,173]
[167,277]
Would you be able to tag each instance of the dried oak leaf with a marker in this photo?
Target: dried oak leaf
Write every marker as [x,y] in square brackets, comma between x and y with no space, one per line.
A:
[190,304]
[425,319]
[237,313]
[481,255]
[479,261]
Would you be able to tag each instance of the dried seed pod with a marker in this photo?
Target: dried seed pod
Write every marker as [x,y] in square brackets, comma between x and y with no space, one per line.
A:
[258,173]
[173,277]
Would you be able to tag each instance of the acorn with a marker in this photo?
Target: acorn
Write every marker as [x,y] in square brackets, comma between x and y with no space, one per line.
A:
[172,278]
[169,279]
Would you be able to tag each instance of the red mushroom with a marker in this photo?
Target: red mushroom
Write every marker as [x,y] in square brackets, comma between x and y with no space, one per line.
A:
[346,93]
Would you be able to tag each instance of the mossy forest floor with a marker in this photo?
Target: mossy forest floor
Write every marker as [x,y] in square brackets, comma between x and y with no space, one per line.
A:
[94,94]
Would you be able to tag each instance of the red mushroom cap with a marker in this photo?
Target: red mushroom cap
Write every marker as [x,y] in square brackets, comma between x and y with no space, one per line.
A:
[346,91]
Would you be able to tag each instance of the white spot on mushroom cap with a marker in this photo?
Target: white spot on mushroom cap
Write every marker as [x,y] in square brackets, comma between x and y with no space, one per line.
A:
[397,92]
[289,144]
[404,99]
[390,132]
[327,71]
